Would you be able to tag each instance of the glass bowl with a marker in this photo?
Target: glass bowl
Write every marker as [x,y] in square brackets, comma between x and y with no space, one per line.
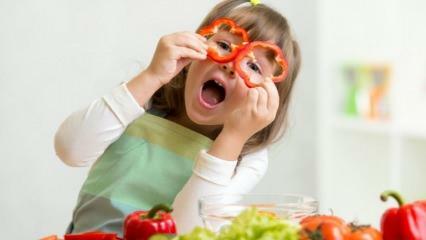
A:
[217,211]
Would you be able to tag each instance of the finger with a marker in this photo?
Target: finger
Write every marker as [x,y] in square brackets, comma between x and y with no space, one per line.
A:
[191,40]
[202,38]
[198,37]
[262,100]
[273,96]
[183,52]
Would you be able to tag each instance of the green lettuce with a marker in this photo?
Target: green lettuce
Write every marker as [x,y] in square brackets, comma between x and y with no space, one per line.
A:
[249,225]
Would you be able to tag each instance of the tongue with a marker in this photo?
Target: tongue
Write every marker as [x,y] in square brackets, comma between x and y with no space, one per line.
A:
[210,96]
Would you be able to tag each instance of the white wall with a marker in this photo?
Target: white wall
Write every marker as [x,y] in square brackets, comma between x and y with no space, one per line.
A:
[360,159]
[293,165]
[56,56]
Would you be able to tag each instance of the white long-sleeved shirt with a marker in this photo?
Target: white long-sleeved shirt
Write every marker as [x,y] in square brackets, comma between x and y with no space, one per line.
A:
[84,136]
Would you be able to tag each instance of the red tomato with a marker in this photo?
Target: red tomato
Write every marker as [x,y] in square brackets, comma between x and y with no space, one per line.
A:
[324,227]
[364,232]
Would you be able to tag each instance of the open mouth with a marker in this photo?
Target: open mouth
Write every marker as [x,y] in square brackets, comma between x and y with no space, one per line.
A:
[212,93]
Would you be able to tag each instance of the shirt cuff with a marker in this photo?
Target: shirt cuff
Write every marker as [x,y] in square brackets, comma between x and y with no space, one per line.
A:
[214,169]
[123,104]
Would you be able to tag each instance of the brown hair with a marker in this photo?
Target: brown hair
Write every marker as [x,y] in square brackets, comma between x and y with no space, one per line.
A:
[262,23]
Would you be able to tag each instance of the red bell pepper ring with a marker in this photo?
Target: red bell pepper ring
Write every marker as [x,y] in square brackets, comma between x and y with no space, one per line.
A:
[91,236]
[242,50]
[248,52]
[213,28]
[407,222]
[141,225]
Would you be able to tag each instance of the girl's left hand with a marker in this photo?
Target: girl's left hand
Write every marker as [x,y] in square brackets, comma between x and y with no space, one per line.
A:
[257,112]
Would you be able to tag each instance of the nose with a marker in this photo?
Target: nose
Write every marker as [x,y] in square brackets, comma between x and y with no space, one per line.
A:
[229,69]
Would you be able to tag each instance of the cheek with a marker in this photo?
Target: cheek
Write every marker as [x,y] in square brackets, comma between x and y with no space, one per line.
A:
[190,75]
[191,80]
[239,93]
[196,70]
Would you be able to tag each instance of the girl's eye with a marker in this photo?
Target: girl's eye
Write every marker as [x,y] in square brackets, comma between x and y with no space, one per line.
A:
[253,66]
[224,46]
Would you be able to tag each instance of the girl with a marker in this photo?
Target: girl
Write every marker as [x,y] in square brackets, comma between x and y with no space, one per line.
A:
[185,127]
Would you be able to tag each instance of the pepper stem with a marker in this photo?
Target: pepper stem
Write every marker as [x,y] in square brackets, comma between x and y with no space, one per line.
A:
[159,207]
[385,195]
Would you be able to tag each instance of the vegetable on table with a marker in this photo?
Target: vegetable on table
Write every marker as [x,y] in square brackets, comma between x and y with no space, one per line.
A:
[363,232]
[251,224]
[320,227]
[406,222]
[325,227]
[91,236]
[141,225]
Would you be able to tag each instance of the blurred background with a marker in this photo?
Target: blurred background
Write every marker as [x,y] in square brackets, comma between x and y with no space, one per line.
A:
[358,116]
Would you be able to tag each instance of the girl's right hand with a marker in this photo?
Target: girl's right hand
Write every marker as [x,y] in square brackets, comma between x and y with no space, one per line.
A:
[174,52]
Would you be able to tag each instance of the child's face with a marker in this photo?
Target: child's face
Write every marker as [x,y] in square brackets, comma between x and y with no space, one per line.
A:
[213,90]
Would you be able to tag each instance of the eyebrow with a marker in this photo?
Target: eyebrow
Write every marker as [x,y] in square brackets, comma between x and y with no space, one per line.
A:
[227,35]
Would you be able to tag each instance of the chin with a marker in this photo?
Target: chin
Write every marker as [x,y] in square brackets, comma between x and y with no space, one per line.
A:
[202,119]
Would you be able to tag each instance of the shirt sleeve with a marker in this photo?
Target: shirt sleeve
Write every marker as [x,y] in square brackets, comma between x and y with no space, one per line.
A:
[211,176]
[85,134]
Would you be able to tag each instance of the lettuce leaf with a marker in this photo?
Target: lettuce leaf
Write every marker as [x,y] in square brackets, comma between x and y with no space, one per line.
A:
[249,225]
[198,233]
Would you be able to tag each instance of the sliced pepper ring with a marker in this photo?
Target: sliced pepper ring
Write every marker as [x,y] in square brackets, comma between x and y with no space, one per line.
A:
[214,28]
[247,51]
[243,50]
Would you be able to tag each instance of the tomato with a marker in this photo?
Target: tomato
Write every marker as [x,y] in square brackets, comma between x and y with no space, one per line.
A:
[316,219]
[363,232]
[324,227]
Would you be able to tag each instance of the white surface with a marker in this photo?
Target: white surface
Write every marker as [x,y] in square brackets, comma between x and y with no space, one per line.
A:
[57,56]
[360,159]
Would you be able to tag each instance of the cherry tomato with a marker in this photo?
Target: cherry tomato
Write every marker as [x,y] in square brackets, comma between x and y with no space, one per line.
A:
[324,227]
[363,232]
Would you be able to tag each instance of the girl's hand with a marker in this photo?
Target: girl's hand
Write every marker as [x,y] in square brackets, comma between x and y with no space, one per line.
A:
[257,112]
[174,52]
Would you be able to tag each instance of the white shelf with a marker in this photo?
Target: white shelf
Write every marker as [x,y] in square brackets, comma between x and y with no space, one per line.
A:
[358,124]
[359,158]
[386,128]
[413,132]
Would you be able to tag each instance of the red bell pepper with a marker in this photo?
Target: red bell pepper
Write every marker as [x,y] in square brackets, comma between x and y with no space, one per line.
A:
[248,51]
[240,51]
[213,28]
[140,225]
[407,222]
[91,236]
